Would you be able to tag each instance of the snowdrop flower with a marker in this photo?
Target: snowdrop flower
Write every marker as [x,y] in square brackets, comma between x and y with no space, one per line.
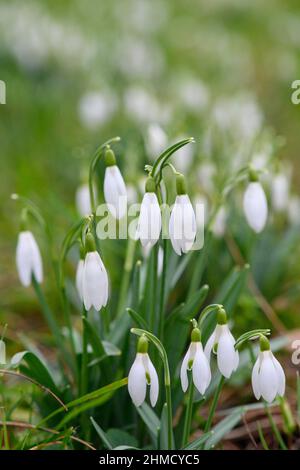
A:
[114,187]
[255,205]
[141,374]
[2,352]
[268,379]
[182,224]
[94,278]
[196,361]
[79,274]
[28,259]
[83,201]
[149,223]
[223,342]
[280,186]
[156,140]
[96,108]
[219,223]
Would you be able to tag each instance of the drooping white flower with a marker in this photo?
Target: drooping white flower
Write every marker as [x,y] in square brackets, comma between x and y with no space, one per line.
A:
[96,108]
[223,343]
[141,374]
[149,223]
[2,352]
[28,259]
[219,223]
[196,361]
[255,206]
[280,187]
[268,378]
[156,140]
[83,201]
[94,278]
[114,187]
[79,277]
[182,224]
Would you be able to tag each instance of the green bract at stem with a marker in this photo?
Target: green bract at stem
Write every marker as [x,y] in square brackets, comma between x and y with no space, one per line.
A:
[251,335]
[163,157]
[97,155]
[167,378]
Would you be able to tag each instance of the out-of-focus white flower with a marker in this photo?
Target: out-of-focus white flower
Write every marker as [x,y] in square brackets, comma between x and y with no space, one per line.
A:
[223,343]
[114,187]
[156,140]
[2,352]
[28,259]
[294,210]
[96,108]
[141,374]
[182,223]
[149,223]
[255,206]
[183,158]
[83,201]
[219,223]
[280,188]
[196,361]
[94,278]
[143,107]
[206,173]
[268,378]
[193,94]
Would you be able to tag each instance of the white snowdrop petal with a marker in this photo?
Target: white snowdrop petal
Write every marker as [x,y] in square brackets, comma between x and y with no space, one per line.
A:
[175,230]
[201,370]
[83,202]
[36,260]
[79,278]
[154,386]
[280,376]
[209,345]
[95,282]
[226,356]
[149,224]
[23,259]
[188,223]
[255,206]
[255,379]
[137,381]
[183,370]
[268,380]
[115,191]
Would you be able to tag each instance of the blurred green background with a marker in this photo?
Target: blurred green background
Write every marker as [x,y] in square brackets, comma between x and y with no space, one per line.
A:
[79,72]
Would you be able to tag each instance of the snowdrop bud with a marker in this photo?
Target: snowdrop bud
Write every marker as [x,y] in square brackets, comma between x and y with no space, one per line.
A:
[141,374]
[2,352]
[196,361]
[83,201]
[222,343]
[114,187]
[94,277]
[182,224]
[149,223]
[79,273]
[268,378]
[28,258]
[255,205]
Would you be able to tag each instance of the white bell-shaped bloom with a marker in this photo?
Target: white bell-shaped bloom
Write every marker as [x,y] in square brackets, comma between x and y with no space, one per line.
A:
[223,342]
[28,259]
[255,206]
[141,374]
[2,352]
[182,223]
[196,361]
[149,223]
[94,280]
[268,378]
[83,201]
[114,187]
[280,188]
[79,277]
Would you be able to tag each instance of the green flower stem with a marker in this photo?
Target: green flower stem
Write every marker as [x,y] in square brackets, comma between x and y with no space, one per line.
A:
[50,320]
[167,380]
[153,287]
[128,265]
[214,405]
[188,414]
[84,358]
[162,291]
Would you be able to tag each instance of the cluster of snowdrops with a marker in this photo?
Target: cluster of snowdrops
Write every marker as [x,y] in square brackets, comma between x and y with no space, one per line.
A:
[92,279]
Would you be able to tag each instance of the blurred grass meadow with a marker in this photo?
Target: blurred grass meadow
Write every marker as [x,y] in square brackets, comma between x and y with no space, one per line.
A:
[152,72]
